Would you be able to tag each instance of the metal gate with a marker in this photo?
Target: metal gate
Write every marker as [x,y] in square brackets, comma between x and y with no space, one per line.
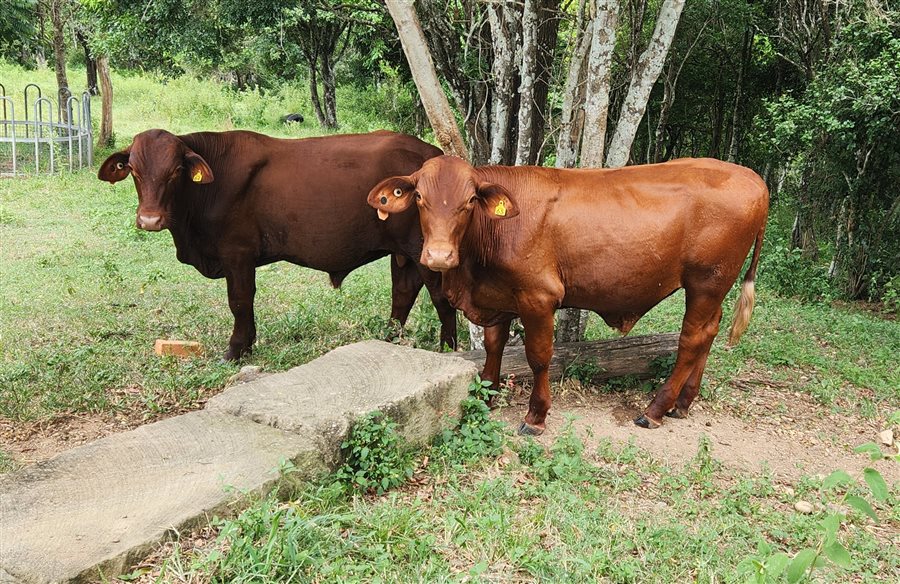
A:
[47,136]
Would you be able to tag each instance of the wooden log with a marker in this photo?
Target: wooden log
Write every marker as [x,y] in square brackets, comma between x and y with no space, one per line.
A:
[612,357]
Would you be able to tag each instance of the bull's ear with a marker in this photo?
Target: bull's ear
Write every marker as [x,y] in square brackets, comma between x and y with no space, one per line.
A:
[197,169]
[392,195]
[115,168]
[496,201]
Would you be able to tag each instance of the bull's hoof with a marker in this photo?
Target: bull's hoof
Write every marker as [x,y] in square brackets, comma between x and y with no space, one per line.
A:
[527,429]
[677,413]
[644,422]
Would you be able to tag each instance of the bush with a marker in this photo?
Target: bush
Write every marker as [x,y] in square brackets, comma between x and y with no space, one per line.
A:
[375,457]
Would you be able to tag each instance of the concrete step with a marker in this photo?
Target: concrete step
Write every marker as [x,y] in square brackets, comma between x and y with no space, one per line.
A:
[99,508]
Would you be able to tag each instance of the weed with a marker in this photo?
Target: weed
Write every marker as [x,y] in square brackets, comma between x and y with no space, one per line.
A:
[767,564]
[583,371]
[476,436]
[565,460]
[375,457]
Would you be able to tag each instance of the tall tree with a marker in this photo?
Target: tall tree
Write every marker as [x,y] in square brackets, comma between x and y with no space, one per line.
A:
[643,78]
[58,10]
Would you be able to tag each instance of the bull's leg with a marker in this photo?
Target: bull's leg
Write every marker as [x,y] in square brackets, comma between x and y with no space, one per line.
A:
[405,285]
[692,386]
[445,311]
[495,338]
[692,346]
[538,350]
[241,284]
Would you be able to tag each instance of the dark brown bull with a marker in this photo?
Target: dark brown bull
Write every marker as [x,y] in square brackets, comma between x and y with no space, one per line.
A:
[525,241]
[237,200]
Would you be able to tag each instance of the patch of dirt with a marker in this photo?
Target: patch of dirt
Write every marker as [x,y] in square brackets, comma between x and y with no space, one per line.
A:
[772,427]
[30,442]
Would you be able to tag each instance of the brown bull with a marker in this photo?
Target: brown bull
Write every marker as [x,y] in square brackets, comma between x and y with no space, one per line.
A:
[525,241]
[237,200]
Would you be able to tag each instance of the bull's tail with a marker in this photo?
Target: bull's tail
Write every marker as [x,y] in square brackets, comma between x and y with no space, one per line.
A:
[748,295]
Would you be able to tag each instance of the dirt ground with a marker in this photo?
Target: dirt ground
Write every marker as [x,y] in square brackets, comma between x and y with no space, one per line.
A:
[768,426]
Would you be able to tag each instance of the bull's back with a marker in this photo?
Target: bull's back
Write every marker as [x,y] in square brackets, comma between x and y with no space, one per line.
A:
[623,239]
[306,198]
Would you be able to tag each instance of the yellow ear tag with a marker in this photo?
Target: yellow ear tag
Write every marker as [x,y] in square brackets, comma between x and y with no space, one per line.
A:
[198,177]
[500,209]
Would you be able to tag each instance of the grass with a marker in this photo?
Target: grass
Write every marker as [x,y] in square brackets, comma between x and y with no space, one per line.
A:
[572,514]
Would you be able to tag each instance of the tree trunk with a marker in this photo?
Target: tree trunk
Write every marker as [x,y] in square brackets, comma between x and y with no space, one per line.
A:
[570,129]
[736,114]
[314,94]
[548,32]
[106,121]
[434,100]
[90,64]
[528,80]
[664,108]
[502,18]
[643,77]
[59,57]
[613,358]
[596,106]
[328,91]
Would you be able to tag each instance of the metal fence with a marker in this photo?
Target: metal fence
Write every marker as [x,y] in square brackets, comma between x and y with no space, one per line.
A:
[48,136]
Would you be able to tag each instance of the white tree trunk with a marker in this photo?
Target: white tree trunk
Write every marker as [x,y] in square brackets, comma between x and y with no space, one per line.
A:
[528,75]
[596,105]
[643,78]
[501,17]
[570,127]
[434,100]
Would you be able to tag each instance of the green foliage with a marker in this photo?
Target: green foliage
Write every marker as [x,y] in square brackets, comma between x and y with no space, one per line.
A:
[17,28]
[476,436]
[839,136]
[375,457]
[583,370]
[565,460]
[768,564]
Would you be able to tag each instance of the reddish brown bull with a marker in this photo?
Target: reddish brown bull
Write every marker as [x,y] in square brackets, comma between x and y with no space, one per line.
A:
[237,200]
[525,241]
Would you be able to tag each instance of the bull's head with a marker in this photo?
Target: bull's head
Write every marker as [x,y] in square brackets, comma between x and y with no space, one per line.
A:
[159,162]
[449,193]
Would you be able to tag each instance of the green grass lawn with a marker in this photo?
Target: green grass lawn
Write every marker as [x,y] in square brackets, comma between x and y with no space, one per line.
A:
[84,295]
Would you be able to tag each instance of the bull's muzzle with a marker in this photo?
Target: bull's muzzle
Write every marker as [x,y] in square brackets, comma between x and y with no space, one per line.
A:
[150,222]
[440,259]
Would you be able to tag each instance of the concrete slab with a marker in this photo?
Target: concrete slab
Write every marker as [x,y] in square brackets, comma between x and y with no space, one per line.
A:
[418,389]
[104,505]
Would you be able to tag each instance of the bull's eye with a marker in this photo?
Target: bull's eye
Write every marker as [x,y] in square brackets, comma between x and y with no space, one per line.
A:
[472,199]
[119,166]
[418,196]
[398,192]
[383,200]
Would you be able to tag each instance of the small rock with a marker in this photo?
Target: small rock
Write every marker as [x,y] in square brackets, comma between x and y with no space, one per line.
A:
[661,506]
[886,437]
[789,491]
[803,507]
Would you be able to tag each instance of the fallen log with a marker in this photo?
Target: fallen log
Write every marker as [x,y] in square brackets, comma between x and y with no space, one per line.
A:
[601,360]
